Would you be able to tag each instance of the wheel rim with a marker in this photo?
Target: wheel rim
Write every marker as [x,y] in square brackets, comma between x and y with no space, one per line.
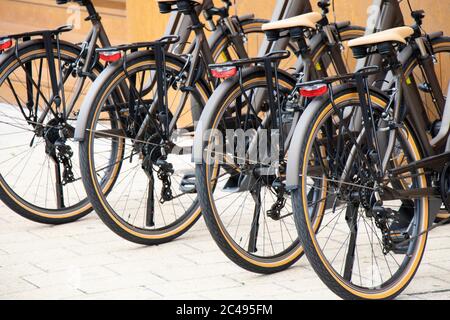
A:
[128,205]
[374,275]
[28,168]
[234,211]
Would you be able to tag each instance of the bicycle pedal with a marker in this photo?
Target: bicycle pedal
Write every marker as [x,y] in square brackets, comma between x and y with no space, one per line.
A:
[187,184]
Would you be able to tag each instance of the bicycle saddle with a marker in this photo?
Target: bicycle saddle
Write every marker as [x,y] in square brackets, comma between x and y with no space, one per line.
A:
[399,35]
[308,20]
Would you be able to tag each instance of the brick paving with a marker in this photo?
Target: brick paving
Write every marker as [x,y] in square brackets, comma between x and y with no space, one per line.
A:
[85,260]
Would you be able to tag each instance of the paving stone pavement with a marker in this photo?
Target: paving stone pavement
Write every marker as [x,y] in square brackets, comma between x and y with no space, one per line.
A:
[84,260]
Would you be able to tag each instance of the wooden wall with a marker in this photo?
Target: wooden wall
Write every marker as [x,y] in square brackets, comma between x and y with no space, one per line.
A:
[18,16]
[132,20]
[145,22]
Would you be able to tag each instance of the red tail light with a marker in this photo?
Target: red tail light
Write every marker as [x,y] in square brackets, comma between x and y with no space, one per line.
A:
[224,73]
[314,91]
[111,56]
[5,44]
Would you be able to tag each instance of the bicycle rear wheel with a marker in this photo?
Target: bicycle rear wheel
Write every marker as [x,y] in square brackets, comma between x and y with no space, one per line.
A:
[153,200]
[245,209]
[39,177]
[364,248]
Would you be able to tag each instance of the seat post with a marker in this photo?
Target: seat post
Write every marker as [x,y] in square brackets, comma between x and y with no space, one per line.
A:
[187,7]
[389,54]
[297,35]
[95,18]
[93,14]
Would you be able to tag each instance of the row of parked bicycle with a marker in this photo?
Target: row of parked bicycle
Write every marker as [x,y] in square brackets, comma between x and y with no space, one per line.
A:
[261,128]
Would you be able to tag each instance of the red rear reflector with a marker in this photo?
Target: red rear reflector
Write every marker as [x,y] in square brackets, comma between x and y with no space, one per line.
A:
[224,73]
[5,44]
[314,91]
[112,56]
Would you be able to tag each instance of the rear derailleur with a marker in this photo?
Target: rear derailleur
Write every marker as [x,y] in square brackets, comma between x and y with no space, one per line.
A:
[275,211]
[55,137]
[164,170]
[394,232]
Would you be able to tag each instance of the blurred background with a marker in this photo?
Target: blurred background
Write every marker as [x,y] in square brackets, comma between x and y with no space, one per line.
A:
[140,20]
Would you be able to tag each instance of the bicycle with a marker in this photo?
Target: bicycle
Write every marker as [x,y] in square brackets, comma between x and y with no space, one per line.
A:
[43,81]
[381,178]
[242,192]
[157,99]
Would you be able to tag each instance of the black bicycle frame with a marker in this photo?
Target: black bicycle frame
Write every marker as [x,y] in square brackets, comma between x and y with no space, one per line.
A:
[420,48]
[199,58]
[407,107]
[309,73]
[96,34]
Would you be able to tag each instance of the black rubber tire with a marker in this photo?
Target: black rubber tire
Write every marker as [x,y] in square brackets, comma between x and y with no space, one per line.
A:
[21,207]
[127,231]
[302,225]
[235,254]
